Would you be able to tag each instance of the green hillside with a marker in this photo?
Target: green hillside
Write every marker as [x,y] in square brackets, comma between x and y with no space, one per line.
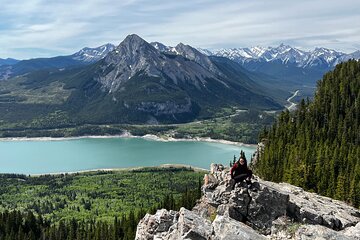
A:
[317,147]
[91,205]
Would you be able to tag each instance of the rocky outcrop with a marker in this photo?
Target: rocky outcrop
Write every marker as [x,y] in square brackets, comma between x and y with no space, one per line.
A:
[226,228]
[265,211]
[156,226]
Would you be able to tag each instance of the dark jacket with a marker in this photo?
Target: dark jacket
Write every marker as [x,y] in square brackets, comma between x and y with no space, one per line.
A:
[238,169]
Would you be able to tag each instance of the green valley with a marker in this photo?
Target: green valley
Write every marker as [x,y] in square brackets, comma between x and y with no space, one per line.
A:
[99,197]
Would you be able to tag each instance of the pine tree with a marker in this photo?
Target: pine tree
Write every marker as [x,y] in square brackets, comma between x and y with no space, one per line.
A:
[317,146]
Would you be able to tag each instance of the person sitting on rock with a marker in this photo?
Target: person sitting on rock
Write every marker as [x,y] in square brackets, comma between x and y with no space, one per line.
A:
[240,172]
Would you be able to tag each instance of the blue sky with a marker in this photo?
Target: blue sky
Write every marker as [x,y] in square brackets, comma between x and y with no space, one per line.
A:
[43,28]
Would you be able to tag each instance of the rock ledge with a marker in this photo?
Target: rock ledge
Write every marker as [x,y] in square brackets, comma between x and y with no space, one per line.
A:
[267,211]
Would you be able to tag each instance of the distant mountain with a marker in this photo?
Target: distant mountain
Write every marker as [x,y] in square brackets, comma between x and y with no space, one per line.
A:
[91,55]
[8,61]
[83,57]
[286,62]
[320,57]
[137,83]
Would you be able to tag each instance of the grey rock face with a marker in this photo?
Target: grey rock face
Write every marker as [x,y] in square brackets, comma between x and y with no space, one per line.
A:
[194,55]
[266,205]
[154,226]
[226,228]
[353,232]
[190,53]
[134,55]
[307,232]
[190,226]
[312,208]
[280,211]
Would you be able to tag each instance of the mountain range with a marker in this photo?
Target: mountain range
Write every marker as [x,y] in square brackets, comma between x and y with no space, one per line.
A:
[318,58]
[12,67]
[298,68]
[141,82]
[131,83]
[288,63]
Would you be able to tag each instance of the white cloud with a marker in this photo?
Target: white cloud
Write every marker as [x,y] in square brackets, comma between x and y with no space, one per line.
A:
[66,26]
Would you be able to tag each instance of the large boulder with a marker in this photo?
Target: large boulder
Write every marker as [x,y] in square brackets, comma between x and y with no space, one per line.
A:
[315,209]
[190,226]
[266,205]
[157,225]
[226,228]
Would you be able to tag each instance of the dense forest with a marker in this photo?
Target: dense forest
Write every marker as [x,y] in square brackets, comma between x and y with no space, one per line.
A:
[317,147]
[94,205]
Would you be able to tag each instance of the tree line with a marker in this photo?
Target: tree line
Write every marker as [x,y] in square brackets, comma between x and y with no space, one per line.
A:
[16,225]
[317,147]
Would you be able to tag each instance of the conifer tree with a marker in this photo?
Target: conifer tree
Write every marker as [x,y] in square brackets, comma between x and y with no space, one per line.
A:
[317,146]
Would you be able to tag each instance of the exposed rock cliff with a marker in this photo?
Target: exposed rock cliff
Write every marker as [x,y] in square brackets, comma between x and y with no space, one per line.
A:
[267,211]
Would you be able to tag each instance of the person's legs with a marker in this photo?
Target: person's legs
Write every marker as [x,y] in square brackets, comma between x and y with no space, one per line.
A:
[248,176]
[240,177]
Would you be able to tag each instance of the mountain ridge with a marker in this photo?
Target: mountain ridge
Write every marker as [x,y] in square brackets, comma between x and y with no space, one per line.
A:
[137,83]
[84,56]
[286,54]
[8,61]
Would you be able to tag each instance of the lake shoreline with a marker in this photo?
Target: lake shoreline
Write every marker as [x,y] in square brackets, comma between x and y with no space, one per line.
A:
[162,166]
[129,135]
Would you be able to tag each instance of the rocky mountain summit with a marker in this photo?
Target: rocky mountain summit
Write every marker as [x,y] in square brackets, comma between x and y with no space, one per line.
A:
[91,55]
[266,211]
[134,56]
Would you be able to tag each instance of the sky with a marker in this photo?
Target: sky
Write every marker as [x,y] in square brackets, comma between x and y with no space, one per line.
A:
[45,28]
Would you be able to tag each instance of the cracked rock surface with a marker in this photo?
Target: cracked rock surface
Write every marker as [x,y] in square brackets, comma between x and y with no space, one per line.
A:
[267,211]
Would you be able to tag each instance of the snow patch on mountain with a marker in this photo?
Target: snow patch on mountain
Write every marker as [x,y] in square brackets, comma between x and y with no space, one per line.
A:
[90,55]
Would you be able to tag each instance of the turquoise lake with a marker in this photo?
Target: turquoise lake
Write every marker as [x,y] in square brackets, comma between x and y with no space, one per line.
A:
[71,155]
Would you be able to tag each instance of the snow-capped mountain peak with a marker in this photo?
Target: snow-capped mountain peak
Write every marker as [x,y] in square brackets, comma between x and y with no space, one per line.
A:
[319,57]
[258,51]
[90,55]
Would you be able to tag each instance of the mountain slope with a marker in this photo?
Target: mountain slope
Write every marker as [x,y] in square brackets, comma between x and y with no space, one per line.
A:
[83,57]
[8,61]
[321,136]
[136,83]
[257,82]
[91,55]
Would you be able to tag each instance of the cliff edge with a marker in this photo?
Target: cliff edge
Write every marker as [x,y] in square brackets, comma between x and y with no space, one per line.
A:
[266,211]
